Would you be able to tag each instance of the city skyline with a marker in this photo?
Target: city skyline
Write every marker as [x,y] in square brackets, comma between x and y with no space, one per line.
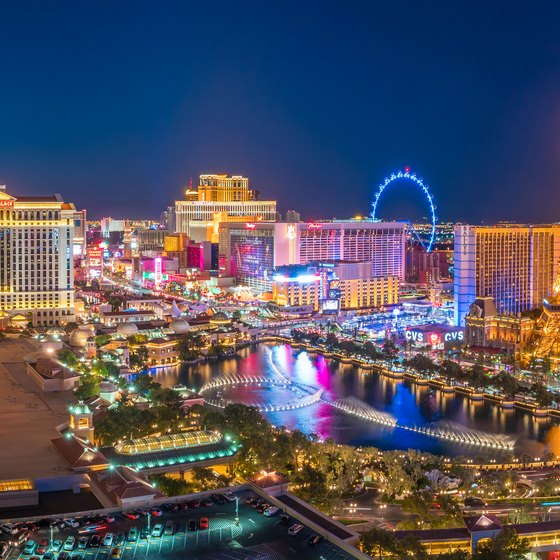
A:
[314,100]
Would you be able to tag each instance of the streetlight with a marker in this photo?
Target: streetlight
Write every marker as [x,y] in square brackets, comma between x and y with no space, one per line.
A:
[237,510]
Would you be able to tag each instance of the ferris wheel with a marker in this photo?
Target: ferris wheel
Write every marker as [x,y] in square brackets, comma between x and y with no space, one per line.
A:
[427,241]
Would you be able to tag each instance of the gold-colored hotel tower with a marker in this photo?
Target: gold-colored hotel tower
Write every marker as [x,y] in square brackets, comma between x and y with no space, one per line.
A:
[36,262]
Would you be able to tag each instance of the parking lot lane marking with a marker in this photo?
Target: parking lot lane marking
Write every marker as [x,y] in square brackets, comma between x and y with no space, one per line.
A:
[185,541]
[160,545]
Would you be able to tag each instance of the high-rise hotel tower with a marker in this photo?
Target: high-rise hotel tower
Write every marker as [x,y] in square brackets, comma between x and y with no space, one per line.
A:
[36,272]
[513,264]
[220,198]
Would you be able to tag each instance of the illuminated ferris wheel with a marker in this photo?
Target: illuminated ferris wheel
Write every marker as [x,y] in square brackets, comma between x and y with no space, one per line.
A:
[426,240]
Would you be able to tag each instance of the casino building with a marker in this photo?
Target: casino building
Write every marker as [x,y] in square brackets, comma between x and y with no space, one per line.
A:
[36,259]
[251,251]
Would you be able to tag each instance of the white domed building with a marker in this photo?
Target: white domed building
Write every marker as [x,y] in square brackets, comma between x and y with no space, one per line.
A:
[79,337]
[179,326]
[127,329]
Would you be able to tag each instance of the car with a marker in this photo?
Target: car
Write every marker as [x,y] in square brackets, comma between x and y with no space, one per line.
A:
[205,503]
[108,540]
[48,556]
[75,557]
[156,512]
[262,507]
[132,515]
[472,501]
[285,519]
[94,541]
[203,523]
[217,499]
[44,523]
[71,522]
[62,555]
[295,529]
[157,531]
[19,538]
[43,546]
[229,496]
[56,545]
[29,547]
[169,528]
[31,525]
[107,518]
[70,543]
[116,552]
[191,525]
[271,511]
[93,528]
[143,511]
[9,528]
[314,540]
[144,534]
[4,546]
[132,535]
[120,540]
[82,543]
[193,504]
[34,558]
[250,499]
[256,503]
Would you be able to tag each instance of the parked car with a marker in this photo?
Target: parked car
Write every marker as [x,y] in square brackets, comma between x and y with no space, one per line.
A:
[43,546]
[271,511]
[156,512]
[169,528]
[94,541]
[193,504]
[192,525]
[132,515]
[262,507]
[143,511]
[19,538]
[218,499]
[70,543]
[116,552]
[71,522]
[120,539]
[30,546]
[203,523]
[9,528]
[295,529]
[48,556]
[108,540]
[205,503]
[314,540]
[56,545]
[132,534]
[62,555]
[157,531]
[249,500]
[472,501]
[144,534]
[107,518]
[82,543]
[4,546]
[229,496]
[285,519]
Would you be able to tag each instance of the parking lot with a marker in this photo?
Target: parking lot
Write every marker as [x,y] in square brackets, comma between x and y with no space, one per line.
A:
[255,536]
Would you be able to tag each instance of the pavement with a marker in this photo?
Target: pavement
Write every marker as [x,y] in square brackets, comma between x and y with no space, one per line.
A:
[28,417]
[256,537]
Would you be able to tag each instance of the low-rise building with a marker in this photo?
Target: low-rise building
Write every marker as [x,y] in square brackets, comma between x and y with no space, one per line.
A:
[486,328]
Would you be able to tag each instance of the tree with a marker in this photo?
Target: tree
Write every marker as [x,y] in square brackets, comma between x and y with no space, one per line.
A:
[378,543]
[506,545]
[390,351]
[455,555]
[88,388]
[139,358]
[68,358]
[422,364]
[542,394]
[507,383]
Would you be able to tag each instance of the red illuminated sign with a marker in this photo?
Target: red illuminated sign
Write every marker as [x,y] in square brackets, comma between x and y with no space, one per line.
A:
[250,226]
[6,203]
[434,339]
[312,225]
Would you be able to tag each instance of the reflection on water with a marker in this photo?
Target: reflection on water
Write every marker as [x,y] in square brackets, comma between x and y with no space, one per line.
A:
[408,403]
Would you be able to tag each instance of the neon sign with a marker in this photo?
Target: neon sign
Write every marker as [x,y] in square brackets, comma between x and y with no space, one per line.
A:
[250,226]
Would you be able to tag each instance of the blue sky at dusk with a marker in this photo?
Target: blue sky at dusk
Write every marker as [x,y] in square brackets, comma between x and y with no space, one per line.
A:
[117,104]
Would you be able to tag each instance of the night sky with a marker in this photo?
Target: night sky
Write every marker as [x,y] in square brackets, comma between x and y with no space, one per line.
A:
[116,105]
